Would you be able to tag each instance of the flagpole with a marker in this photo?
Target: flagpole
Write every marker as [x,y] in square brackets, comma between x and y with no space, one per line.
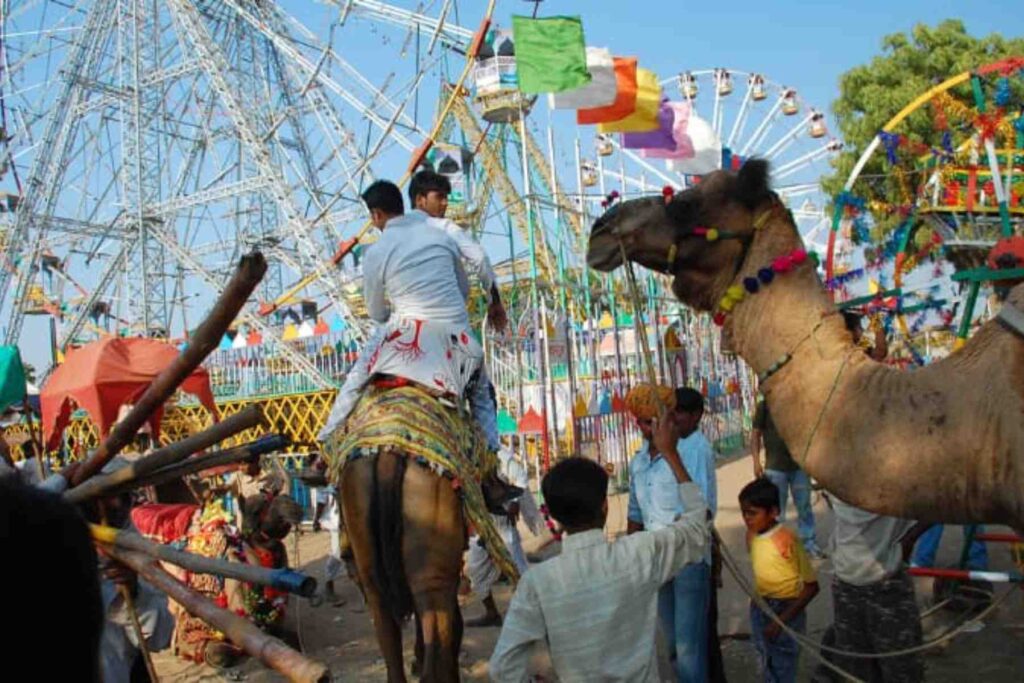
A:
[534,298]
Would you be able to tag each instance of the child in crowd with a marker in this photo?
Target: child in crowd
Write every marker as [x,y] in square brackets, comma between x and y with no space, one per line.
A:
[783,576]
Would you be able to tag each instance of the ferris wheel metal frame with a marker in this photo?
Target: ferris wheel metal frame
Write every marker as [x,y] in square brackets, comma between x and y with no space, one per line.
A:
[146,95]
[998,217]
[767,139]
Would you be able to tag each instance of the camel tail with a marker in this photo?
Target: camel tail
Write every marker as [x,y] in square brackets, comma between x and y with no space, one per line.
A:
[386,522]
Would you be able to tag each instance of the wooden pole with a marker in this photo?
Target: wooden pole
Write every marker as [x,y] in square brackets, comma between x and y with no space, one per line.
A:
[248,418]
[250,451]
[250,271]
[140,635]
[269,650]
[282,579]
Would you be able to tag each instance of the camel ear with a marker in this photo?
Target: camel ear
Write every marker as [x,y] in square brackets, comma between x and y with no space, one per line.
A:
[752,183]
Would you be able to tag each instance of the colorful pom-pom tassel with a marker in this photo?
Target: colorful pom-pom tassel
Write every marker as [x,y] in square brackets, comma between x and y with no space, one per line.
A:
[765,275]
[718,318]
[736,293]
[712,235]
[726,304]
[798,256]
[751,284]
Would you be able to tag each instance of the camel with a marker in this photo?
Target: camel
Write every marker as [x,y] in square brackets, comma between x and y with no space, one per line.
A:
[405,520]
[943,443]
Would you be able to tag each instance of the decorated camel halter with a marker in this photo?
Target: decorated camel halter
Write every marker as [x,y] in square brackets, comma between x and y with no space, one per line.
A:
[714,234]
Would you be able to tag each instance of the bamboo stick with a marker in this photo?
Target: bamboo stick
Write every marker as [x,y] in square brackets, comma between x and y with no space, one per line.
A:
[282,579]
[248,274]
[247,418]
[269,650]
[249,451]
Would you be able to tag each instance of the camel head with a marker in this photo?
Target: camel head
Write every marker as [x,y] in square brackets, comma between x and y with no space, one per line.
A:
[672,236]
[271,516]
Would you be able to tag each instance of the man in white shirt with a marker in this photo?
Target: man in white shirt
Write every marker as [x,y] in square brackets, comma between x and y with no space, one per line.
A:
[596,604]
[415,290]
[428,195]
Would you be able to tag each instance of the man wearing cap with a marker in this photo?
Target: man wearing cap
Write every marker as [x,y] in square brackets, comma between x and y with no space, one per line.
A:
[654,503]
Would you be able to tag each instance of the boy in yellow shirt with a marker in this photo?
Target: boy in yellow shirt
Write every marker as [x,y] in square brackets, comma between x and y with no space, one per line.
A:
[783,576]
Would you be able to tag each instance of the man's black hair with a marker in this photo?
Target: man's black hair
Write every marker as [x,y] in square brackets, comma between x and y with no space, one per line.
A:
[384,195]
[50,572]
[575,490]
[760,493]
[689,400]
[427,181]
[852,320]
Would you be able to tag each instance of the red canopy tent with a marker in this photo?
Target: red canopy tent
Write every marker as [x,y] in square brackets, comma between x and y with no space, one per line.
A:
[102,376]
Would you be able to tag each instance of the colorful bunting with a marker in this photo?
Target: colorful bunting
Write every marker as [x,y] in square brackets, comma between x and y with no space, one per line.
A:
[644,116]
[660,138]
[600,92]
[683,148]
[551,54]
[707,149]
[625,96]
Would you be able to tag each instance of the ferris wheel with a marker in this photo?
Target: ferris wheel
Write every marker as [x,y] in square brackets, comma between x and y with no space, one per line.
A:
[146,145]
[745,114]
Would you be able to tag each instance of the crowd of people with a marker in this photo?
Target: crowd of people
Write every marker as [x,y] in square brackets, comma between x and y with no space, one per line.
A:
[597,606]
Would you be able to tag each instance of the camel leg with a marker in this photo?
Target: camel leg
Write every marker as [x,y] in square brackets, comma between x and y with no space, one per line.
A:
[356,488]
[432,544]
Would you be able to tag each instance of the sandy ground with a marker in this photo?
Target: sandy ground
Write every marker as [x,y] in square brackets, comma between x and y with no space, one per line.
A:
[343,638]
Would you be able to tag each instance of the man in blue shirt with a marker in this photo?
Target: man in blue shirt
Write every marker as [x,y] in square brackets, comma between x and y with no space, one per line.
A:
[654,503]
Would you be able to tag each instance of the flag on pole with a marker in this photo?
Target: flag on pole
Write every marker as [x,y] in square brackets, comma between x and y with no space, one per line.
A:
[625,96]
[707,149]
[645,114]
[683,148]
[660,138]
[551,54]
[12,377]
[601,90]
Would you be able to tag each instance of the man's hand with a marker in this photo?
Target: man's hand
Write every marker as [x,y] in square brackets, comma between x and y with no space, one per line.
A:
[666,435]
[120,575]
[772,631]
[497,319]
[758,468]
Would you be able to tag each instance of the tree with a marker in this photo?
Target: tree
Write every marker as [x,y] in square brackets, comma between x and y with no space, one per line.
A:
[871,94]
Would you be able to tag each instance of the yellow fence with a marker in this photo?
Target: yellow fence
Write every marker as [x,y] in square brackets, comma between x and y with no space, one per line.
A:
[298,416]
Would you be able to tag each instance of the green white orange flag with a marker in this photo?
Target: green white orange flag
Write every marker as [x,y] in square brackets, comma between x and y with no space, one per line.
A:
[601,90]
[625,96]
[645,114]
[551,54]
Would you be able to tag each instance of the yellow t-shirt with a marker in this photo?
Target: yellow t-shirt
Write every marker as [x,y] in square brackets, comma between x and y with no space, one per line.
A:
[781,565]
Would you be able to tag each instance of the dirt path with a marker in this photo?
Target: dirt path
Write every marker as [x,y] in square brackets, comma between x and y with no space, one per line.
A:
[342,637]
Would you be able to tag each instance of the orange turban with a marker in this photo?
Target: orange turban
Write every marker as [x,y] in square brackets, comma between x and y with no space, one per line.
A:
[644,400]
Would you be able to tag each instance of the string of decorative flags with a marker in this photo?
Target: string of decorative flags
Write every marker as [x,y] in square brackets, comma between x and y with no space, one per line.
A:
[614,93]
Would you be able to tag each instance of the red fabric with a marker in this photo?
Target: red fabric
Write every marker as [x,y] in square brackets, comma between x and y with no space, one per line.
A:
[102,376]
[162,522]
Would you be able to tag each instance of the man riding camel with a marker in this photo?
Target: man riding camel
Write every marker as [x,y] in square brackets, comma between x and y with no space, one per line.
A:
[428,195]
[424,335]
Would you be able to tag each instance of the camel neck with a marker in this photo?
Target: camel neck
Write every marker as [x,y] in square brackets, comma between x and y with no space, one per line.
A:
[788,315]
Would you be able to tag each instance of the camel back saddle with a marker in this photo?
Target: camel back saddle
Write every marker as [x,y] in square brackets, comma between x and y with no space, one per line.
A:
[412,420]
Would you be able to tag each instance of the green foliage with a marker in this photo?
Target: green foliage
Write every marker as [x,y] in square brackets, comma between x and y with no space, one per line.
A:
[871,94]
